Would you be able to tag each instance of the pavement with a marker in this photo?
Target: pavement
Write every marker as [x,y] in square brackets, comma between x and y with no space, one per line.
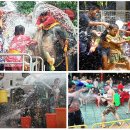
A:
[92,114]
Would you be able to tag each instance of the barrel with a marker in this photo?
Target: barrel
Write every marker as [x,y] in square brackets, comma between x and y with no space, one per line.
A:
[61,117]
[3,96]
[51,120]
[26,122]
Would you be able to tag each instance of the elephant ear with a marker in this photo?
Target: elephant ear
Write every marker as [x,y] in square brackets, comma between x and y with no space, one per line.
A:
[57,13]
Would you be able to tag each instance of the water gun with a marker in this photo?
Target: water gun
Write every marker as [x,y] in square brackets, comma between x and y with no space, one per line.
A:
[116,99]
[88,85]
[128,38]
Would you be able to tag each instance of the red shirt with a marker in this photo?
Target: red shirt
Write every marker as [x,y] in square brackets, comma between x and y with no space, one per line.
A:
[128,29]
[46,21]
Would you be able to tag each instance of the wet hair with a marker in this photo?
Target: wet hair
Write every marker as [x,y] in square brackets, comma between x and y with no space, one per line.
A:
[44,13]
[19,30]
[94,7]
[70,84]
[111,26]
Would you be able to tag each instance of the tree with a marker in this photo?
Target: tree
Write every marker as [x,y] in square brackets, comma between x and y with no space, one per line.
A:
[25,7]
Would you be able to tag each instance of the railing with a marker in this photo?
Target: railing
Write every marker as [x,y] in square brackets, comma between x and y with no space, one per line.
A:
[113,124]
[42,63]
[31,64]
[79,126]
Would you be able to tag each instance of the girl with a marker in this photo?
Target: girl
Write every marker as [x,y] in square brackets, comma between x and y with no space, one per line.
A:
[18,45]
[114,41]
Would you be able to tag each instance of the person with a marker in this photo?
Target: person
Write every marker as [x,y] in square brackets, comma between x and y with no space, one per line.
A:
[18,45]
[128,112]
[53,32]
[127,31]
[77,82]
[87,28]
[45,21]
[74,115]
[95,83]
[110,108]
[120,87]
[114,41]
[111,82]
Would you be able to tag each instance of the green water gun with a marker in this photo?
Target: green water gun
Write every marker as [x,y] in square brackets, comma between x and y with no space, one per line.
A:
[116,99]
[128,38]
[88,85]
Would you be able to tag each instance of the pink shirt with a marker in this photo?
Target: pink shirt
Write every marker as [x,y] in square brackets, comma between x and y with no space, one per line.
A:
[19,43]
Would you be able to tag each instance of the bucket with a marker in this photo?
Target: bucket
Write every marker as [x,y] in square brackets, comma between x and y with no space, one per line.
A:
[26,122]
[3,96]
[61,117]
[51,120]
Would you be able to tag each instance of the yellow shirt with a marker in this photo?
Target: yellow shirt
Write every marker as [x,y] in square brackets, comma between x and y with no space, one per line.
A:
[113,47]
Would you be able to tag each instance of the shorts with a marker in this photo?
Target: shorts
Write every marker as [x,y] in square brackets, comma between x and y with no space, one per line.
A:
[110,108]
[75,118]
[116,57]
[105,51]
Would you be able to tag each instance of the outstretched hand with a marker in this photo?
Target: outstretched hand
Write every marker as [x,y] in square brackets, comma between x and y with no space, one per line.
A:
[106,24]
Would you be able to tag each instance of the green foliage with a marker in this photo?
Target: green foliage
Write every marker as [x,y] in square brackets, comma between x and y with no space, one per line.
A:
[2,3]
[64,4]
[25,7]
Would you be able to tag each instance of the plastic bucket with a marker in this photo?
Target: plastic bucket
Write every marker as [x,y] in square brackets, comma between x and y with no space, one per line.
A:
[51,120]
[3,96]
[61,117]
[26,122]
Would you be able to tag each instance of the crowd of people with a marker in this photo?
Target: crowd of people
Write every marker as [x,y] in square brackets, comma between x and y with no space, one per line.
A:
[101,49]
[83,91]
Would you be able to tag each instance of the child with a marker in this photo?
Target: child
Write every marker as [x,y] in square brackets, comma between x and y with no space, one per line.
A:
[114,41]
[18,45]
[110,107]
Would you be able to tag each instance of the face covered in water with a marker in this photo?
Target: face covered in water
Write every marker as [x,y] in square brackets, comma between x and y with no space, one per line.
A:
[114,31]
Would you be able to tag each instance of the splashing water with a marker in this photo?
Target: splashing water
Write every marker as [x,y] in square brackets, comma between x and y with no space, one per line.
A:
[46,80]
[57,13]
[119,23]
[14,18]
[40,83]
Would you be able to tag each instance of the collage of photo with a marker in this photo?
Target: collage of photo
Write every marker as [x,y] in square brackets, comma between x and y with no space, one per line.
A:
[65,64]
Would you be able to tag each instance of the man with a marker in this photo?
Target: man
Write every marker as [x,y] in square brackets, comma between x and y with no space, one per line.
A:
[74,115]
[110,107]
[87,28]
[45,21]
